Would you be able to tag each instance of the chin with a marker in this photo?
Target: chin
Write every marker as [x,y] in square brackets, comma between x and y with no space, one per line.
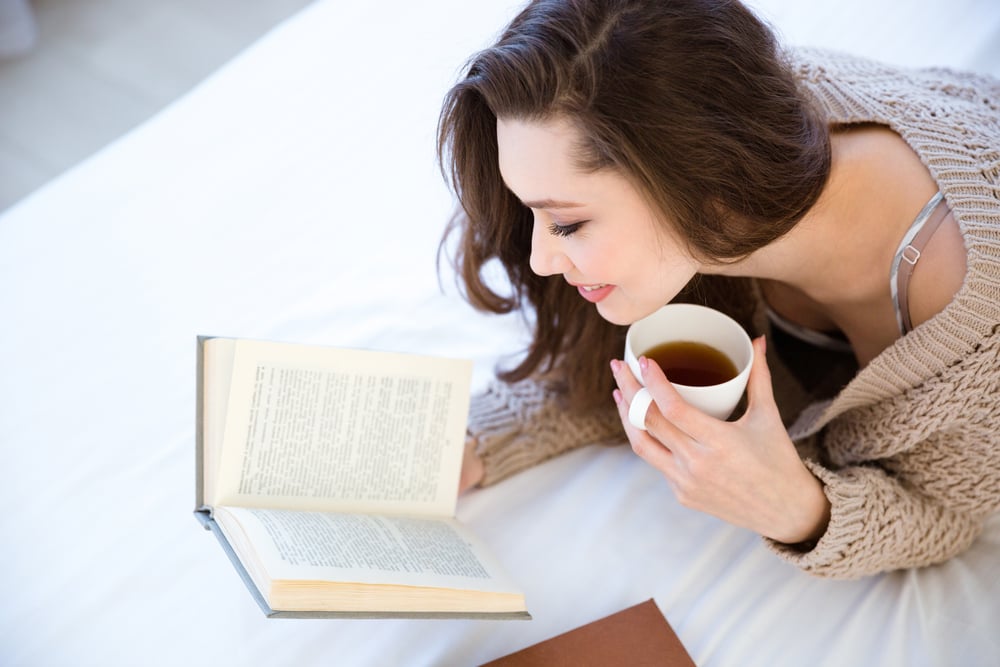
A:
[616,316]
[625,316]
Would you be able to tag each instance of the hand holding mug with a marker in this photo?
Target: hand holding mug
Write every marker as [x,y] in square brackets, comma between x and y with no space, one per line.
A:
[746,472]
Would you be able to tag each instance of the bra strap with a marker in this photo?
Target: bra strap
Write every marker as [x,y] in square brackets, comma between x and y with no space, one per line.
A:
[916,237]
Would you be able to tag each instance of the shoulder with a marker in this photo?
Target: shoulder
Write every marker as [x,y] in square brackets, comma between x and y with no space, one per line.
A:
[950,118]
[820,63]
[852,88]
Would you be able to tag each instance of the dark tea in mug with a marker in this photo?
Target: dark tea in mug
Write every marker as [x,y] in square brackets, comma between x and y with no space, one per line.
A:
[692,364]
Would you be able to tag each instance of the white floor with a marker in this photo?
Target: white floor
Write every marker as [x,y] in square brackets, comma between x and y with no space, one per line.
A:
[98,68]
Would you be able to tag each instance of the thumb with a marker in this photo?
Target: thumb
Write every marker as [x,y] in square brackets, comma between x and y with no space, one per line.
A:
[759,389]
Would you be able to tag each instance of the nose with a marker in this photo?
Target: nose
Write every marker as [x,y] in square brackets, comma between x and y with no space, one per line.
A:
[547,256]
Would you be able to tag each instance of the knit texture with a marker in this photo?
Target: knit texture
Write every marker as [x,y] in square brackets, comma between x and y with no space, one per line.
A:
[524,423]
[909,451]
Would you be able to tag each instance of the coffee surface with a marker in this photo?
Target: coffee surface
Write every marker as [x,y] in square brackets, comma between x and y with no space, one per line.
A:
[692,364]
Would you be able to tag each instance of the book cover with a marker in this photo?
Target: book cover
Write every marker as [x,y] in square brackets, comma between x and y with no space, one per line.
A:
[638,636]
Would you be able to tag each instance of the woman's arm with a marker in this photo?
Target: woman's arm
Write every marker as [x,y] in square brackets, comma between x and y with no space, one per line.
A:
[879,523]
[919,505]
[518,425]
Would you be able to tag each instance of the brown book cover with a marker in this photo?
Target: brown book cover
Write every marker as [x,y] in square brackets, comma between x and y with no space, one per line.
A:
[639,636]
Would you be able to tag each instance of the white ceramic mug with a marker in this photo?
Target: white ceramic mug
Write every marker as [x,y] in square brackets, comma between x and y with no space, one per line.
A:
[689,322]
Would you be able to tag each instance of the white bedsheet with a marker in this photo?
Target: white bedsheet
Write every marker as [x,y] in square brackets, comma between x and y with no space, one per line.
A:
[295,196]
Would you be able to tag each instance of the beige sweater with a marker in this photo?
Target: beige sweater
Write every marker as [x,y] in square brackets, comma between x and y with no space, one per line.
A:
[909,450]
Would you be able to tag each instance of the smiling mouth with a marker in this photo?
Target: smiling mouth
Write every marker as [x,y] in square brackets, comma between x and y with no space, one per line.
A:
[595,293]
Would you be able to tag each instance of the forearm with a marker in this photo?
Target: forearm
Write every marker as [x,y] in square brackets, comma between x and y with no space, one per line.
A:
[877,524]
[522,424]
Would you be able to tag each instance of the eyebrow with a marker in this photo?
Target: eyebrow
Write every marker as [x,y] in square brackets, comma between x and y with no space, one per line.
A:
[551,203]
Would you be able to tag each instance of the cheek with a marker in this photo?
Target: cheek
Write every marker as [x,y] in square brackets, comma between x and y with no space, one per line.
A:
[665,272]
[671,255]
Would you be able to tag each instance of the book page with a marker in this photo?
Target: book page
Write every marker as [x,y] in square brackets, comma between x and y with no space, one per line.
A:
[343,430]
[217,354]
[359,548]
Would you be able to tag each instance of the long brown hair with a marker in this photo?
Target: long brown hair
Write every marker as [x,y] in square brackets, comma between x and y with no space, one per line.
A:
[692,100]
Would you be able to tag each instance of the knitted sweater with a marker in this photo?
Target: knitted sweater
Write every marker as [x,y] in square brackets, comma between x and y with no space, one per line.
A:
[908,451]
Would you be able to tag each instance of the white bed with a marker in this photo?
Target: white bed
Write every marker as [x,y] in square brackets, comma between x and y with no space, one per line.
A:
[295,196]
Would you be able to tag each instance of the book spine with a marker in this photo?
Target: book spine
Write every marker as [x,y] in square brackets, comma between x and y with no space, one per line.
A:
[199,422]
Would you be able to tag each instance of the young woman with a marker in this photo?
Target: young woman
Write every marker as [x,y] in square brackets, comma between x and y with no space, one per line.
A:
[613,156]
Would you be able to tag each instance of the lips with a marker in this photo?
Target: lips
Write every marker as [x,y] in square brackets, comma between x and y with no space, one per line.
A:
[594,293]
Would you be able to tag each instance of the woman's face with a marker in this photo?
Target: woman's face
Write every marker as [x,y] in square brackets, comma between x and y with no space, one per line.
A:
[595,229]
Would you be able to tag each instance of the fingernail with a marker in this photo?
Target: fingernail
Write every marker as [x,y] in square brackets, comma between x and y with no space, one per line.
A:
[615,365]
[617,395]
[643,364]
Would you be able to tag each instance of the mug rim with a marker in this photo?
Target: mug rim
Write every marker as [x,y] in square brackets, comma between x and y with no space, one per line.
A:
[746,344]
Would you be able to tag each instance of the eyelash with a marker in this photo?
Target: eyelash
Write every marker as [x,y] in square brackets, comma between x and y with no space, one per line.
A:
[565,230]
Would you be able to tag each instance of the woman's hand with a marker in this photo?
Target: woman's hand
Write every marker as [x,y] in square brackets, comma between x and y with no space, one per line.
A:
[746,472]
[472,466]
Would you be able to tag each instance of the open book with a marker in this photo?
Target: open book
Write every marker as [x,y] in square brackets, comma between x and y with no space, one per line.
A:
[330,477]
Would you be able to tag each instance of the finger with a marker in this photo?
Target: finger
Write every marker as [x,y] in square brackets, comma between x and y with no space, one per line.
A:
[472,465]
[648,448]
[658,425]
[672,412]
[633,393]
[639,398]
[760,391]
[624,378]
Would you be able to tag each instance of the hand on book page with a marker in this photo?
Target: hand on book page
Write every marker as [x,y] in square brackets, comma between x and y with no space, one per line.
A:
[472,466]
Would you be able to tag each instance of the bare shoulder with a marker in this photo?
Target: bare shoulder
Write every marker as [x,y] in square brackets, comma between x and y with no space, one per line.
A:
[941,269]
[890,184]
[939,273]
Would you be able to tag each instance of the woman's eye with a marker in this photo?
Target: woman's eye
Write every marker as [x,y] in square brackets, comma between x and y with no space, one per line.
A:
[565,229]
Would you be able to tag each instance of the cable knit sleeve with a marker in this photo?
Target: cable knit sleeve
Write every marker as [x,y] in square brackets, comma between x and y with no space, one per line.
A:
[521,424]
[911,478]
[878,524]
